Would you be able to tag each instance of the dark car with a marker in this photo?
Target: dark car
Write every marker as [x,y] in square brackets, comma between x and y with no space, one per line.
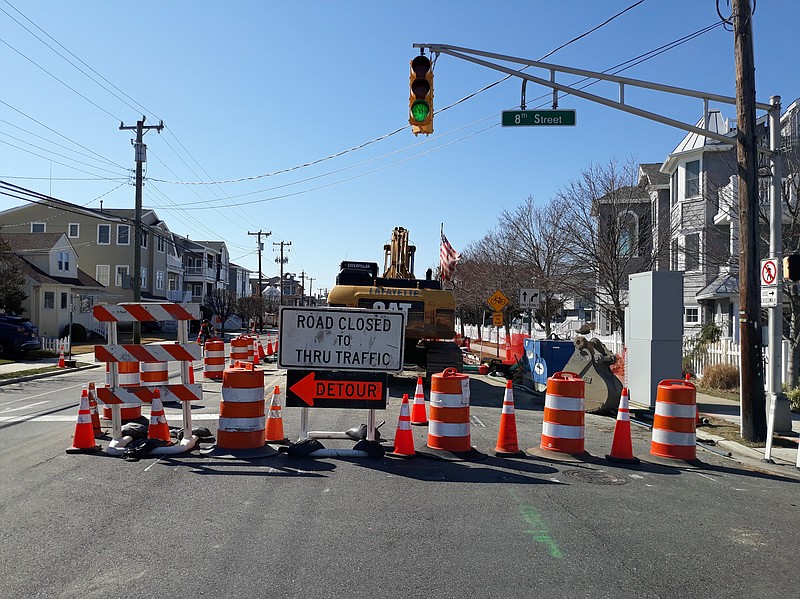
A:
[17,335]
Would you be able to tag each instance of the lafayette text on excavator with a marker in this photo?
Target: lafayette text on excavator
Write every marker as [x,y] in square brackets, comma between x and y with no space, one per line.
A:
[430,310]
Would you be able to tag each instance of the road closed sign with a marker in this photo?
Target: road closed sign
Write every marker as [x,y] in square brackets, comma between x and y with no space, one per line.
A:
[341,339]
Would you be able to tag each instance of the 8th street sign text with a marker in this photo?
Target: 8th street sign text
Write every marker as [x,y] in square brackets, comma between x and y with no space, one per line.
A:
[341,339]
[538,118]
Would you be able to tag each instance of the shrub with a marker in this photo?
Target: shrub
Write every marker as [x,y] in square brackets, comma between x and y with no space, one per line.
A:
[794,399]
[78,333]
[721,376]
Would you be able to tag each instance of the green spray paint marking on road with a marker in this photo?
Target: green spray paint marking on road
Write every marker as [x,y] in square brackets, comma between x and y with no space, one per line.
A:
[537,528]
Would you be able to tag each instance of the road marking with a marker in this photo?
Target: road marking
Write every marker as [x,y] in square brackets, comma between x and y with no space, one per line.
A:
[55,418]
[59,390]
[30,405]
[477,420]
[537,527]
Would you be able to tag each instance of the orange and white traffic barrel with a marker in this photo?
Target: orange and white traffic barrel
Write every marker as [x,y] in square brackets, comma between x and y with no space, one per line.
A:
[128,376]
[242,420]
[563,425]
[239,350]
[214,359]
[448,422]
[154,374]
[251,349]
[674,423]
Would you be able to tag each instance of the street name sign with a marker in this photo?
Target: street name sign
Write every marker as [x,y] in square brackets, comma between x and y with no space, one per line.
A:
[326,389]
[528,298]
[538,118]
[351,339]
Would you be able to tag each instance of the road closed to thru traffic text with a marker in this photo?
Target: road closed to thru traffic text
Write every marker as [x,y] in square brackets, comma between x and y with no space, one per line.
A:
[341,339]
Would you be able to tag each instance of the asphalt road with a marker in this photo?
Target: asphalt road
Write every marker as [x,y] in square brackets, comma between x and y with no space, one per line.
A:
[542,526]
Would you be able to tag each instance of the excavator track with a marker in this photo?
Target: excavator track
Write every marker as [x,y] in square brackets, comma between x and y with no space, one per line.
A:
[440,355]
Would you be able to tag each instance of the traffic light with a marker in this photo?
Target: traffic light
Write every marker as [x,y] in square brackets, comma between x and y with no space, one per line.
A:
[791,267]
[420,101]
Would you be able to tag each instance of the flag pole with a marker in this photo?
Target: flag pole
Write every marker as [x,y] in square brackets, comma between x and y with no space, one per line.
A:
[441,272]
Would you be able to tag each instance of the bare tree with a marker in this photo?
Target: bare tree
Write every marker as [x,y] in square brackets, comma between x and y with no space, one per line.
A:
[607,221]
[222,303]
[251,307]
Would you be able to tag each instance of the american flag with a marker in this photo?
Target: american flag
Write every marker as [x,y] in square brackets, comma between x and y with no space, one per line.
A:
[448,258]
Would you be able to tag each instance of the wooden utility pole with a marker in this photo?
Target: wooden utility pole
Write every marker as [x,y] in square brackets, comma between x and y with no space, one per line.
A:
[281,260]
[140,155]
[753,400]
[259,233]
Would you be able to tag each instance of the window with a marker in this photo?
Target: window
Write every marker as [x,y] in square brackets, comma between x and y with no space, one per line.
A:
[691,249]
[144,239]
[628,233]
[143,274]
[692,188]
[173,284]
[63,261]
[122,273]
[197,290]
[74,230]
[159,279]
[160,244]
[63,300]
[123,234]
[691,315]
[103,234]
[673,257]
[38,228]
[673,189]
[49,300]
[102,274]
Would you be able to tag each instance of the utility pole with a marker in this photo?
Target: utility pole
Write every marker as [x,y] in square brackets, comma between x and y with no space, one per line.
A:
[753,401]
[302,288]
[259,233]
[281,260]
[140,155]
[311,287]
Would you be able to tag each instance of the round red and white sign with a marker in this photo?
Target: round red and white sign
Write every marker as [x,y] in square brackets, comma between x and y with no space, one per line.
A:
[769,271]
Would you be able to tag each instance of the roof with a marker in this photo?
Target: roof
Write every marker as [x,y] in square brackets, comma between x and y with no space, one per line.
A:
[653,175]
[725,285]
[694,141]
[43,242]
[41,277]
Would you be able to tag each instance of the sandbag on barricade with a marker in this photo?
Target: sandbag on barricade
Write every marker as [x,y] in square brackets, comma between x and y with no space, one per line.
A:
[592,361]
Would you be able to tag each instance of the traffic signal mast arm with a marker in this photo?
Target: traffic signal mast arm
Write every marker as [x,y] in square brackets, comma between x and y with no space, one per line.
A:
[470,55]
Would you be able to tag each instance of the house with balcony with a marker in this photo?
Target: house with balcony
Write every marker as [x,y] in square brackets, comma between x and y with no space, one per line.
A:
[205,266]
[239,280]
[57,290]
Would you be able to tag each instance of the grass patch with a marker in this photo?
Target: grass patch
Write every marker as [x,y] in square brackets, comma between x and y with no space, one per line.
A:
[732,394]
[44,369]
[730,431]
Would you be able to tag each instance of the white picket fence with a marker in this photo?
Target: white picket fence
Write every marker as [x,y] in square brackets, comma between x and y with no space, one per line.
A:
[54,344]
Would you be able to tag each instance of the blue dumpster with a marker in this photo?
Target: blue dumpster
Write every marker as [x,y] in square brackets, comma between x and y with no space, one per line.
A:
[545,357]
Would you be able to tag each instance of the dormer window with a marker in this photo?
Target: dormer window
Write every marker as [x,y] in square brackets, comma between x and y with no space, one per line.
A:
[63,261]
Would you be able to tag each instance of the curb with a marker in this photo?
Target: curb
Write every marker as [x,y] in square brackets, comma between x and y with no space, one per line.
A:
[42,375]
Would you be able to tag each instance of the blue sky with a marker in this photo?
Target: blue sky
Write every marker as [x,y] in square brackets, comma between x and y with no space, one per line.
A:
[249,89]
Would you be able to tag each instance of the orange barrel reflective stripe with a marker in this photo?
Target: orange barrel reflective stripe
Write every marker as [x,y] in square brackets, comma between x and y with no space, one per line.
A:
[674,432]
[128,376]
[251,349]
[214,360]
[154,374]
[563,425]
[242,420]
[448,422]
[239,349]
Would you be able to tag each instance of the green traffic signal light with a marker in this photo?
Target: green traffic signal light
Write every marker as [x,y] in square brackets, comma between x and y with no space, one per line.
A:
[420,111]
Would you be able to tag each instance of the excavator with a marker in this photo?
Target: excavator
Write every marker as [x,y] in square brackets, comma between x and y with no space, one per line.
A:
[430,310]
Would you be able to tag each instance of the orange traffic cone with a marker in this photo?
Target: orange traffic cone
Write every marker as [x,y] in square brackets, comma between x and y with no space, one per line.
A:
[191,373]
[158,429]
[621,447]
[61,363]
[256,361]
[274,432]
[418,414]
[83,439]
[261,353]
[269,346]
[507,435]
[403,440]
[93,410]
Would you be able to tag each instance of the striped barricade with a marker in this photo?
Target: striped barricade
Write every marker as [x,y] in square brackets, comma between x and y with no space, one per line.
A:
[143,394]
[140,312]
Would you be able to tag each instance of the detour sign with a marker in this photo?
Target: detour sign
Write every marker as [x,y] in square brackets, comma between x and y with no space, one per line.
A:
[326,389]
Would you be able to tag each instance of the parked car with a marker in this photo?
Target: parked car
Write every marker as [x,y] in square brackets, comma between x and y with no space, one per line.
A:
[17,335]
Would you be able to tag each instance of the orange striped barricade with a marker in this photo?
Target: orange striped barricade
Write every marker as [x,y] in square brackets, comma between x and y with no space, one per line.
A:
[563,425]
[242,416]
[115,355]
[448,421]
[239,349]
[214,360]
[128,377]
[674,432]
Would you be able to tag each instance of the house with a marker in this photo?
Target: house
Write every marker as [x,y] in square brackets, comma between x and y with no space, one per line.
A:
[205,266]
[239,280]
[58,291]
[106,242]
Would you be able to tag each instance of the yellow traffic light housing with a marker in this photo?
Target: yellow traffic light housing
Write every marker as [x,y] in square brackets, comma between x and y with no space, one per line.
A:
[791,267]
[420,100]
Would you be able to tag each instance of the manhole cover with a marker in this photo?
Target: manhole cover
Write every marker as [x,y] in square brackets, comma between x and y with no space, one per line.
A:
[597,477]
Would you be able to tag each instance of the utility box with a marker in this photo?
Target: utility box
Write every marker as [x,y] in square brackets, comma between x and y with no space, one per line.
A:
[653,333]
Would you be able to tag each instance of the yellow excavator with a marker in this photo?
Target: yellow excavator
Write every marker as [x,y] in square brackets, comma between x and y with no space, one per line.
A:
[430,310]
